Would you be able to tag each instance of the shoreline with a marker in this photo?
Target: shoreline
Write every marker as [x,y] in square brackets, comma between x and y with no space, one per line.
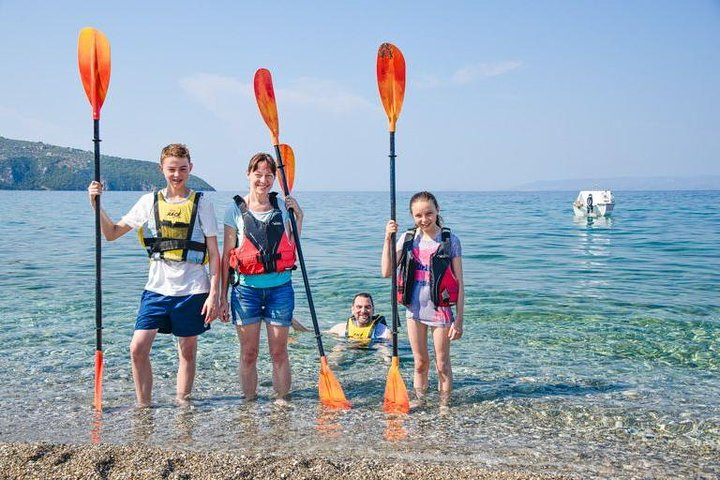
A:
[106,461]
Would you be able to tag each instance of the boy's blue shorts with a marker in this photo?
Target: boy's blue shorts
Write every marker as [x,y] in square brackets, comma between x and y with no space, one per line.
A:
[275,305]
[177,315]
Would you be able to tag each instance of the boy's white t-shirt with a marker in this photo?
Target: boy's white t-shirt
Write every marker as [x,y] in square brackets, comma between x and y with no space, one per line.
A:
[174,279]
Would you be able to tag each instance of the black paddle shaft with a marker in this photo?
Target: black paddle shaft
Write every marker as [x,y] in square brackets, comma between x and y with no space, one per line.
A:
[393,253]
[98,245]
[296,237]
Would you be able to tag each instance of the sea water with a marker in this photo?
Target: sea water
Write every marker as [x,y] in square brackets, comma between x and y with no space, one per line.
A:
[591,347]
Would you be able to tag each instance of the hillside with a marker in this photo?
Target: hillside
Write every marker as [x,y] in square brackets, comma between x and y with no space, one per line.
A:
[39,166]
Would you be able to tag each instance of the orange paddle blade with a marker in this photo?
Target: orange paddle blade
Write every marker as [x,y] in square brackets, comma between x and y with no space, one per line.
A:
[288,157]
[94,63]
[331,393]
[265,96]
[396,395]
[98,379]
[391,81]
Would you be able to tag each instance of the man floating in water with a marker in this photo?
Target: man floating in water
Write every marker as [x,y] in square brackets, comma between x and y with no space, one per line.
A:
[363,326]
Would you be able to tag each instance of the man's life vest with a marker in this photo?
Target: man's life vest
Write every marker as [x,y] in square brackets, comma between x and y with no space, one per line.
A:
[174,234]
[266,247]
[443,283]
[356,332]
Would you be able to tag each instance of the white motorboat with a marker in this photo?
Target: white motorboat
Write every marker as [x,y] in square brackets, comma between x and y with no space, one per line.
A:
[594,203]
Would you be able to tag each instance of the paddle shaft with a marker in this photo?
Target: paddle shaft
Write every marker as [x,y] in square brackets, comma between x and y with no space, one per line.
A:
[393,253]
[296,238]
[98,257]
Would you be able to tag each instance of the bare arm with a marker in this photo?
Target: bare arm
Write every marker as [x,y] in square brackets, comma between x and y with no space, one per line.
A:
[229,240]
[456,330]
[210,309]
[292,204]
[338,329]
[385,265]
[110,230]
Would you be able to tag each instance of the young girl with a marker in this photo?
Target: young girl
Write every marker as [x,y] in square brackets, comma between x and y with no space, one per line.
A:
[430,280]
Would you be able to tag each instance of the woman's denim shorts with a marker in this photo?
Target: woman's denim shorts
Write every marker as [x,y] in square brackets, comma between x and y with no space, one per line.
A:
[275,305]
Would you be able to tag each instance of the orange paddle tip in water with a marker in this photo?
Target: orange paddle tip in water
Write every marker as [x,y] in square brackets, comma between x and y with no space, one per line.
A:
[98,379]
[265,96]
[94,64]
[288,159]
[391,81]
[331,393]
[396,395]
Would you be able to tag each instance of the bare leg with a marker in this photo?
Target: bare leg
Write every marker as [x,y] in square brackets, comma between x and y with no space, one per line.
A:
[441,344]
[417,334]
[249,336]
[187,355]
[278,342]
[140,347]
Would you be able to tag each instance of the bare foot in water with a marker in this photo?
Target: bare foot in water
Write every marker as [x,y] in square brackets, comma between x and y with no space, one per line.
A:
[419,401]
[444,403]
[282,402]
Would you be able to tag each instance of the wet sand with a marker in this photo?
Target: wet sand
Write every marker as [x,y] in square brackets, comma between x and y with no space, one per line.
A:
[53,461]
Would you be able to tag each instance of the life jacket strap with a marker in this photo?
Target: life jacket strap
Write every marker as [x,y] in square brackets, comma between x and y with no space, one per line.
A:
[159,245]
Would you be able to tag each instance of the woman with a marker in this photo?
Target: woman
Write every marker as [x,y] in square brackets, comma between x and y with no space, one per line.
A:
[258,258]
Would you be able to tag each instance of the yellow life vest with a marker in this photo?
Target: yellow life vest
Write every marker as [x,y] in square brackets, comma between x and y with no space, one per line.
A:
[174,233]
[358,333]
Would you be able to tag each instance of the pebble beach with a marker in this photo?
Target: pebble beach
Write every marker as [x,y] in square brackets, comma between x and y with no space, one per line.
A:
[55,461]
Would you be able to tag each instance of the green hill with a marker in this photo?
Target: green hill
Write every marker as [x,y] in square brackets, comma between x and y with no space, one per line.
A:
[39,166]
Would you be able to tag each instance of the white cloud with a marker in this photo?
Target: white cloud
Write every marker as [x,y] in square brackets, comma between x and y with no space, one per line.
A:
[323,95]
[222,95]
[469,74]
[15,124]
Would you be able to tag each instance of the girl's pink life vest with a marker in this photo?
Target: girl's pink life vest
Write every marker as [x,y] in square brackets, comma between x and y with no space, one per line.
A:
[266,247]
[443,282]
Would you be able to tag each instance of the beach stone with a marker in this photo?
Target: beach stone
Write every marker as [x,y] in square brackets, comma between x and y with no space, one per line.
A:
[138,462]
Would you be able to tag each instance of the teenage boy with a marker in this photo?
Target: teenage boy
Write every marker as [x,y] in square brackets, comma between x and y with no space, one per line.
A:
[178,228]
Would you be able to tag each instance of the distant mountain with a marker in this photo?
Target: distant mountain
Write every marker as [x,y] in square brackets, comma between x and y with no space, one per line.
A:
[709,182]
[39,166]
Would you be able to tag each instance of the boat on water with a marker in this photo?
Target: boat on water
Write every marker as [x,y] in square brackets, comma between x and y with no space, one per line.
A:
[594,203]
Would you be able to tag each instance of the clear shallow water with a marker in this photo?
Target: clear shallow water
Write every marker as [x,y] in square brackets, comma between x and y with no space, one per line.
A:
[590,347]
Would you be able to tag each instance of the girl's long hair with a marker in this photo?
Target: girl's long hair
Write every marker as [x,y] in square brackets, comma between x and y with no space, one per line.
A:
[429,197]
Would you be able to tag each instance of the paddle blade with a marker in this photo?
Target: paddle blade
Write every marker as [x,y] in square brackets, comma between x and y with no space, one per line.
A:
[94,64]
[396,395]
[331,393]
[265,96]
[288,158]
[98,379]
[391,81]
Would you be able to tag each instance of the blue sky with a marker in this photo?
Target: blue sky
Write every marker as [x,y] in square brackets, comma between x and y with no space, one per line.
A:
[498,93]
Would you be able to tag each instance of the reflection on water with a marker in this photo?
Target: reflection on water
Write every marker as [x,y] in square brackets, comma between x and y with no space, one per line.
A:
[96,428]
[184,424]
[395,430]
[142,421]
[328,423]
[593,251]
[593,222]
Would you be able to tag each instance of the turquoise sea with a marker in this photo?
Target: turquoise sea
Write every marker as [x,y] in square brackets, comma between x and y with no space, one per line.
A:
[591,347]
